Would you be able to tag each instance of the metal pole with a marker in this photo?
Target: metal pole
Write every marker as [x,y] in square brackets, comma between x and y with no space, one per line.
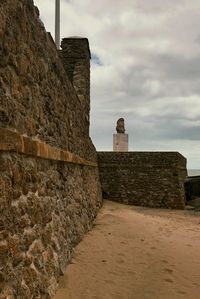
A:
[57,24]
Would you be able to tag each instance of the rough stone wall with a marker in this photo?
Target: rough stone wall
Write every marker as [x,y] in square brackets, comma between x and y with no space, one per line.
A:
[75,55]
[49,196]
[36,96]
[192,187]
[46,207]
[153,179]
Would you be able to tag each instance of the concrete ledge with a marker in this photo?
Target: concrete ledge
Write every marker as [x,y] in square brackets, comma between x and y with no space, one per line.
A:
[13,141]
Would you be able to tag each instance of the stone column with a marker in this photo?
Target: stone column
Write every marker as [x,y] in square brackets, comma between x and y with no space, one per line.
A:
[75,55]
[120,142]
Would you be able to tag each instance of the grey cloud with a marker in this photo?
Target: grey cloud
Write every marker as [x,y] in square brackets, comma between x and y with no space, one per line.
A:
[177,67]
[157,6]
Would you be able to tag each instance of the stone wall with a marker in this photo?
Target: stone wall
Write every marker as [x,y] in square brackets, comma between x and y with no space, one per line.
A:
[192,187]
[75,55]
[49,182]
[36,96]
[46,207]
[153,179]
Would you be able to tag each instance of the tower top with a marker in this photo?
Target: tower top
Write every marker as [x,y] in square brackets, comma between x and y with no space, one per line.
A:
[79,44]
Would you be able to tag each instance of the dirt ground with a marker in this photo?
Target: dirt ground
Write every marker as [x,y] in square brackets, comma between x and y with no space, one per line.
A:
[136,253]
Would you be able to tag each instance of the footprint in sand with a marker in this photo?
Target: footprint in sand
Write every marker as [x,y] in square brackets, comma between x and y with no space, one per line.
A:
[120,261]
[113,272]
[153,247]
[157,241]
[181,292]
[121,254]
[104,261]
[196,284]
[123,242]
[142,263]
[168,270]
[169,280]
[130,272]
[117,296]
[172,265]
[164,261]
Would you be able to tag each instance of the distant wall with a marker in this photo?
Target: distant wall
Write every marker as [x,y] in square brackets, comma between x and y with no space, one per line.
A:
[49,182]
[192,187]
[153,179]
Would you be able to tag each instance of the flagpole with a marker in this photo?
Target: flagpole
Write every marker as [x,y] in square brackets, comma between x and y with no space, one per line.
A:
[57,24]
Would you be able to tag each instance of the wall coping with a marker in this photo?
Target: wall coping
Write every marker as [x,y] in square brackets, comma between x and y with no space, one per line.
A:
[13,141]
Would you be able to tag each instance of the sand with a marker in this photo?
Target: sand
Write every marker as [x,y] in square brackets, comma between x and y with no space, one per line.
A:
[136,253]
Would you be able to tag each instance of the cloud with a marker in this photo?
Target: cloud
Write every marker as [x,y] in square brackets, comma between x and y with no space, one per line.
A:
[145,67]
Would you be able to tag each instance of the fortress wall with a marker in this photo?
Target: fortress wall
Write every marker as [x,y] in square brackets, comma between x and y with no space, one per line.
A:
[75,55]
[36,97]
[192,187]
[49,182]
[153,179]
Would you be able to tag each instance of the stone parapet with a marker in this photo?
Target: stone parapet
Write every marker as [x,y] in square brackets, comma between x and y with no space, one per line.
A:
[75,55]
[153,179]
[14,142]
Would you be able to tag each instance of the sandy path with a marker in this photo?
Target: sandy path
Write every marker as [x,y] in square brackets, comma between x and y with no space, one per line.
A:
[136,253]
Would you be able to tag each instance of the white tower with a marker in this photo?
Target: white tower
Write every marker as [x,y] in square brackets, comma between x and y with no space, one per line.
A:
[57,24]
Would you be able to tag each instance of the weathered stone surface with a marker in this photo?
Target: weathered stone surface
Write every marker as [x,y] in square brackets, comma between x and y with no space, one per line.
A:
[46,203]
[13,141]
[40,229]
[75,55]
[192,188]
[36,96]
[154,179]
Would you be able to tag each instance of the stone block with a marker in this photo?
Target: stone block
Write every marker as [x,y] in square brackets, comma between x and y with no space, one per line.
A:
[120,142]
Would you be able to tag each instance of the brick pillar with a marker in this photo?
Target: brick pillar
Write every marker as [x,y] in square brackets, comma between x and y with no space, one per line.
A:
[75,55]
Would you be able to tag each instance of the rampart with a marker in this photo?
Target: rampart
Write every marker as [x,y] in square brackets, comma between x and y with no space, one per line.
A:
[49,182]
[192,187]
[153,179]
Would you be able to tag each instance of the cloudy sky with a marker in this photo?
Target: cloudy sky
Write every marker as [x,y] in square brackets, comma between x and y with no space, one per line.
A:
[145,68]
